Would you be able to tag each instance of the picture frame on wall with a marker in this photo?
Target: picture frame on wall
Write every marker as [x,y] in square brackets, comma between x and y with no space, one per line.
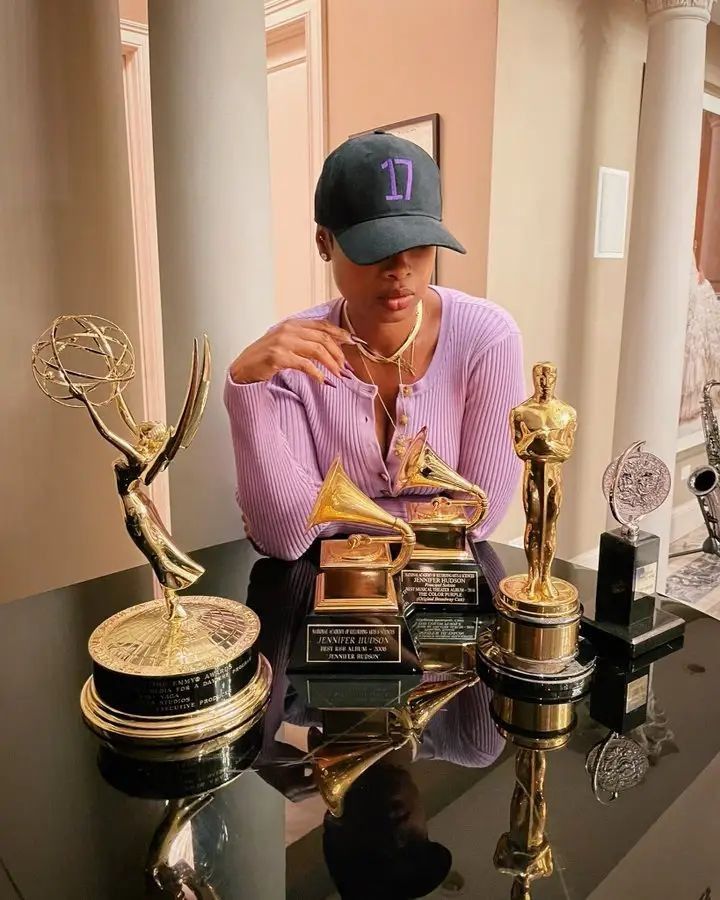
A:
[423,131]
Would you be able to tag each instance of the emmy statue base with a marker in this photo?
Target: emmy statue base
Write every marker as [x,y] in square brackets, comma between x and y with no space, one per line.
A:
[628,623]
[355,624]
[166,680]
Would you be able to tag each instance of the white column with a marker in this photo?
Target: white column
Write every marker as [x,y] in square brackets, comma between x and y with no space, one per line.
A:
[209,104]
[663,215]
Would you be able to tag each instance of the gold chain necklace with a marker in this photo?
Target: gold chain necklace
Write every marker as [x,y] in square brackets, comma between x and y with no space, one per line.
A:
[397,356]
[401,440]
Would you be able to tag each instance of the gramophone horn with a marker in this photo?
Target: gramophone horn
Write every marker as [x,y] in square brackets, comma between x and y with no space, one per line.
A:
[423,468]
[341,500]
[335,771]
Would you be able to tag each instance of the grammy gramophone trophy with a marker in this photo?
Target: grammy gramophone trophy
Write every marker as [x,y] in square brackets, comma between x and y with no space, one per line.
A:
[442,572]
[538,614]
[356,620]
[164,672]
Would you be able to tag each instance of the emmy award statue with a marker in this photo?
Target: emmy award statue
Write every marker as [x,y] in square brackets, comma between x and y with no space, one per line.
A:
[163,672]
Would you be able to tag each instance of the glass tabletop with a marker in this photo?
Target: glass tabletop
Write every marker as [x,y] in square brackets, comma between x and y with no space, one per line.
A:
[360,787]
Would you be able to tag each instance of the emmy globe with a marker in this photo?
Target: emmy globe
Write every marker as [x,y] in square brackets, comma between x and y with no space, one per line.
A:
[164,672]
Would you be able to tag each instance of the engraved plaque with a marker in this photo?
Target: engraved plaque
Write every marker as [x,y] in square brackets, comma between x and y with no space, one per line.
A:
[353,643]
[637,692]
[645,580]
[444,629]
[358,694]
[174,695]
[439,587]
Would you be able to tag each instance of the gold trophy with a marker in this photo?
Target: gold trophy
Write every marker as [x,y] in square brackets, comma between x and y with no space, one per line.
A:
[534,727]
[356,620]
[539,614]
[356,739]
[443,572]
[163,672]
[524,851]
[357,572]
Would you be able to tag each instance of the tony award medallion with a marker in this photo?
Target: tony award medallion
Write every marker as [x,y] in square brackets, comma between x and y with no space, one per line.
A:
[164,672]
[626,620]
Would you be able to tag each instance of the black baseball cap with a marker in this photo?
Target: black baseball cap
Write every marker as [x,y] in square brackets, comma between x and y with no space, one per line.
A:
[379,195]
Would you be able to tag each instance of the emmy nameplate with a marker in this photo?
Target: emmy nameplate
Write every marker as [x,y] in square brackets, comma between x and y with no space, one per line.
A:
[627,622]
[443,572]
[536,633]
[164,672]
[356,623]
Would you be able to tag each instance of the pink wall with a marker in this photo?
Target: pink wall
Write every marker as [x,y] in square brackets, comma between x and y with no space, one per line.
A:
[393,61]
[134,10]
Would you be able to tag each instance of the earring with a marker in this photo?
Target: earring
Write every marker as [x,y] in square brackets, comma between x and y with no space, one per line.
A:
[324,257]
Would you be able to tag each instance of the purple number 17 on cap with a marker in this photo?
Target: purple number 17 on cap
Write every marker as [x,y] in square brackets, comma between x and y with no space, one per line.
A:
[390,164]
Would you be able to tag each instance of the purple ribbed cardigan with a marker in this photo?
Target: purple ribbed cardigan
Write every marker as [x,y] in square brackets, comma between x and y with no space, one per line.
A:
[287,431]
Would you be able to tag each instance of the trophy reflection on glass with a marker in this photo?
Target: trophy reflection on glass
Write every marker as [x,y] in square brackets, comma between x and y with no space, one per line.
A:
[356,738]
[535,725]
[162,673]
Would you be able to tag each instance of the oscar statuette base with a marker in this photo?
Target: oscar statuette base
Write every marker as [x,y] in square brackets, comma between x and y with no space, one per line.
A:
[539,636]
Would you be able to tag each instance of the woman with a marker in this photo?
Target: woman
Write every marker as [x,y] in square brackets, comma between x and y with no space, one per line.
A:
[361,375]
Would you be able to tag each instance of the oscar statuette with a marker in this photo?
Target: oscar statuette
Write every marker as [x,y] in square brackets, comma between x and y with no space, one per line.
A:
[536,632]
[164,672]
[356,622]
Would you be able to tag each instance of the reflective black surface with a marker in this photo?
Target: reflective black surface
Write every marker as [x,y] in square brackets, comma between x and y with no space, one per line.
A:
[80,822]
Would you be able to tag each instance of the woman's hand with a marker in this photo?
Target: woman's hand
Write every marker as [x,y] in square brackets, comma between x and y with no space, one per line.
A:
[295,344]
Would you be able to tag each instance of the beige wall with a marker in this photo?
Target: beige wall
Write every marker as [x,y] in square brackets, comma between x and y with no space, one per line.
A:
[393,61]
[567,101]
[66,246]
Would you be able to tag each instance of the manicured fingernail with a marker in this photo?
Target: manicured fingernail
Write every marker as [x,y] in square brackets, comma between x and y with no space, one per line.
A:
[328,383]
[345,373]
[358,340]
